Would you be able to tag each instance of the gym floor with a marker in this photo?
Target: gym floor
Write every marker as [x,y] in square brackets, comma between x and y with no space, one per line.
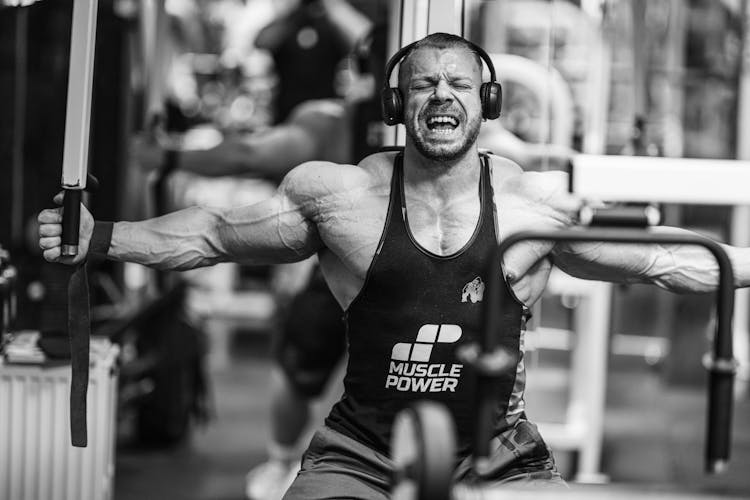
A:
[653,440]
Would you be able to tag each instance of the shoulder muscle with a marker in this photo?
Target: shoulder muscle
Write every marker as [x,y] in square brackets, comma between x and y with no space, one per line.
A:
[310,186]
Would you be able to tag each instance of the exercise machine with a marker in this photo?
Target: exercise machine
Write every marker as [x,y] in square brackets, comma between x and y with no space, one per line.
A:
[421,430]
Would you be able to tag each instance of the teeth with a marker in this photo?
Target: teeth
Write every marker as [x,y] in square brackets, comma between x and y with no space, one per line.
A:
[442,119]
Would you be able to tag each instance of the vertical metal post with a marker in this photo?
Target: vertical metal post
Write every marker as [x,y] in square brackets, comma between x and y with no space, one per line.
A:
[78,118]
[740,226]
[19,125]
[589,378]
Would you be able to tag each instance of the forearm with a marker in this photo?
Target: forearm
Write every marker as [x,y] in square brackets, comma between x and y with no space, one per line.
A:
[679,268]
[177,241]
[269,232]
[694,269]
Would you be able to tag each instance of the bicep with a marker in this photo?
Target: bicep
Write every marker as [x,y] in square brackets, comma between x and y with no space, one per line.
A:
[272,231]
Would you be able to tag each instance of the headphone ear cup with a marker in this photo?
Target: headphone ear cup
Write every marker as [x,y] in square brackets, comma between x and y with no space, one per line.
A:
[492,100]
[390,106]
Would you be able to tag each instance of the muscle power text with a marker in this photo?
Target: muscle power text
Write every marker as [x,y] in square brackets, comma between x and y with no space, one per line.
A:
[423,377]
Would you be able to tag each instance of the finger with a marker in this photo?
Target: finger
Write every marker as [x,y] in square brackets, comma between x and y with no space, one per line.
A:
[52,254]
[50,216]
[59,197]
[569,203]
[50,230]
[50,242]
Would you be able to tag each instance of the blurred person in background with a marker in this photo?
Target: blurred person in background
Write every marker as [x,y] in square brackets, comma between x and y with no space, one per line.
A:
[308,45]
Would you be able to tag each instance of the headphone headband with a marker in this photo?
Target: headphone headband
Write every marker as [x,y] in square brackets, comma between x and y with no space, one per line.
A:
[404,51]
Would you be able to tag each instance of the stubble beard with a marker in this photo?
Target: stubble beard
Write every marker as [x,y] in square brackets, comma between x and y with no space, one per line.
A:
[442,152]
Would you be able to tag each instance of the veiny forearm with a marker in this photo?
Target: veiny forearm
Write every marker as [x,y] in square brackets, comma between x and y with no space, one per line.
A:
[177,241]
[270,232]
[677,268]
[694,269]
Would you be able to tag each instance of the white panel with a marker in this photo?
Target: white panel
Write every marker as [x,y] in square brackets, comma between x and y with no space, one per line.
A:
[661,180]
[46,437]
[37,461]
[30,437]
[61,439]
[445,16]
[5,411]
[16,441]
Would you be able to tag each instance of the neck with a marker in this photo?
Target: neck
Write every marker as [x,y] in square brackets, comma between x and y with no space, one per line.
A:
[444,178]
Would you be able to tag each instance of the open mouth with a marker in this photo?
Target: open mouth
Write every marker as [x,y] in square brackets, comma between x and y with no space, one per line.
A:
[442,123]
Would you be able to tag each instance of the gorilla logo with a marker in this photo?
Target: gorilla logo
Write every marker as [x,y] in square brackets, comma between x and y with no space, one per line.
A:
[473,291]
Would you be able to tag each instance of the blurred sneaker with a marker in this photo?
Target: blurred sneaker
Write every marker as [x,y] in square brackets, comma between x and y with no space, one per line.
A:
[270,480]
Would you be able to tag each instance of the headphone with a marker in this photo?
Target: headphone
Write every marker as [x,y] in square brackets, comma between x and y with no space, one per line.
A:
[490,93]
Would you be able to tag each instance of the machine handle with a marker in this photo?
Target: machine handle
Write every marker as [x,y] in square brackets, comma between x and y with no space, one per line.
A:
[72,216]
[721,376]
[71,221]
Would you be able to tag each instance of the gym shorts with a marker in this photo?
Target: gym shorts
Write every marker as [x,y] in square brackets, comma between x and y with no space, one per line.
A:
[338,467]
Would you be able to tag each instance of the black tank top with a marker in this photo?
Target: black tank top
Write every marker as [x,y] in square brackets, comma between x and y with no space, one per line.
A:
[413,312]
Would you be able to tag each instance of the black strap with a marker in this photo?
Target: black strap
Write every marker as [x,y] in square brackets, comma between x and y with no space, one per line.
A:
[100,240]
[79,331]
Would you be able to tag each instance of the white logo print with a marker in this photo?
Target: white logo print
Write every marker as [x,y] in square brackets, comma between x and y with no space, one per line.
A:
[473,291]
[410,369]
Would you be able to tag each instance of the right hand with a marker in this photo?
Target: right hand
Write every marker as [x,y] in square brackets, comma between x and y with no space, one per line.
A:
[50,233]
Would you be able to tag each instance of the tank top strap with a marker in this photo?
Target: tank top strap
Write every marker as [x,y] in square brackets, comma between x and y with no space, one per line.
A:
[398,198]
[488,224]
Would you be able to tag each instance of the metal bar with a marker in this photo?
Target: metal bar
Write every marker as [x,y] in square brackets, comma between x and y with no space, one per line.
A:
[80,83]
[78,117]
[721,376]
[661,180]
[740,225]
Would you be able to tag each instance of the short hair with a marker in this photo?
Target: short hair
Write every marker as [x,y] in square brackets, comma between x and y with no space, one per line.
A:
[440,41]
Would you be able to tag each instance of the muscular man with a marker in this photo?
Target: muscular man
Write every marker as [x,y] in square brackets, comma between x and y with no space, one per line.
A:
[399,236]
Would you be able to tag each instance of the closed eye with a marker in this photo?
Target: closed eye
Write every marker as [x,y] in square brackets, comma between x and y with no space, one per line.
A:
[462,84]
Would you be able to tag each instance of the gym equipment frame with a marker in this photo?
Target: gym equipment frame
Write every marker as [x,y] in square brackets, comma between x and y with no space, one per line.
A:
[720,364]
[490,360]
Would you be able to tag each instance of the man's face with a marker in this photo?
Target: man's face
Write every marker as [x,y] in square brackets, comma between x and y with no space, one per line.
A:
[442,108]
